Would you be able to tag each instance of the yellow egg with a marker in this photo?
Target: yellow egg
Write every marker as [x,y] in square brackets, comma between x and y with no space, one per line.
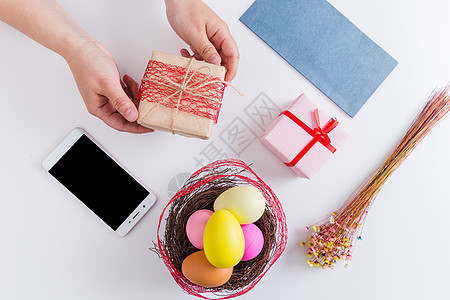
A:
[245,202]
[200,271]
[223,240]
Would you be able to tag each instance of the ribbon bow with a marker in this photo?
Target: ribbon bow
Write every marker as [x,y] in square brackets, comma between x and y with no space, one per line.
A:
[322,133]
[319,134]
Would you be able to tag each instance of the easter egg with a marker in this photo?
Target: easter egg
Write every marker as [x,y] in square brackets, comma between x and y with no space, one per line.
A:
[245,202]
[200,271]
[223,240]
[195,226]
[254,241]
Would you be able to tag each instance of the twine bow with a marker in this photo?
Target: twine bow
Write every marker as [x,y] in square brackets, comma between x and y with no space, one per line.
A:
[187,86]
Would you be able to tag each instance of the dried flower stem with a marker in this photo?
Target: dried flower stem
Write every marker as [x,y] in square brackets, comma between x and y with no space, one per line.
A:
[333,240]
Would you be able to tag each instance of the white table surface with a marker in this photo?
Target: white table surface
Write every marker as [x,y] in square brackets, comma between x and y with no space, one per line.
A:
[52,247]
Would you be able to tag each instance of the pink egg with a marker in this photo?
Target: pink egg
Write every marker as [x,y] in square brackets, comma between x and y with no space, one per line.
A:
[195,226]
[254,241]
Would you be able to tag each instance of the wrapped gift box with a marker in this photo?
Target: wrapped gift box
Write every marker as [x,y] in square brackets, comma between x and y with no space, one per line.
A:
[299,142]
[181,95]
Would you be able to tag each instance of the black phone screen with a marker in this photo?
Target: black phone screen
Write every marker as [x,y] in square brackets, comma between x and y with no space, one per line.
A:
[99,182]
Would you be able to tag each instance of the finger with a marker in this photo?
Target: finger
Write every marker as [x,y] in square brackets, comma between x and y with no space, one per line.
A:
[193,49]
[133,93]
[127,90]
[197,56]
[231,52]
[132,89]
[120,101]
[135,90]
[205,49]
[118,122]
[227,47]
[108,114]
[129,81]
[185,53]
[195,53]
[132,85]
[232,66]
[223,57]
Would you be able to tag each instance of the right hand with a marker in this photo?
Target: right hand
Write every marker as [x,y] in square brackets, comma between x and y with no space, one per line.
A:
[105,95]
[205,32]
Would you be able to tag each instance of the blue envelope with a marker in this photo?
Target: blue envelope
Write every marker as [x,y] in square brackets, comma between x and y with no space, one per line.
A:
[323,45]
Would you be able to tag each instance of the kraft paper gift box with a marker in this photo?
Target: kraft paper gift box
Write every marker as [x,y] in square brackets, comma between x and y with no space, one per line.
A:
[181,95]
[299,142]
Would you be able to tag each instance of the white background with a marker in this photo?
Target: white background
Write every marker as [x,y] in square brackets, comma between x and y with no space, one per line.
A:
[52,247]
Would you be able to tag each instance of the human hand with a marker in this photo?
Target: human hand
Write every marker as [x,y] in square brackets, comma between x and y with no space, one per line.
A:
[207,35]
[105,95]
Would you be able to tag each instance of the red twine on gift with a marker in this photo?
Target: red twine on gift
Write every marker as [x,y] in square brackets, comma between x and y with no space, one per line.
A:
[271,200]
[319,134]
[182,89]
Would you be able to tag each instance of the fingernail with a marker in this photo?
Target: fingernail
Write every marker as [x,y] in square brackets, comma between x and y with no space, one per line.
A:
[214,59]
[131,115]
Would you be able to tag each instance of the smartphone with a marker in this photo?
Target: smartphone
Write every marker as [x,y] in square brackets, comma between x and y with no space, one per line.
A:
[91,174]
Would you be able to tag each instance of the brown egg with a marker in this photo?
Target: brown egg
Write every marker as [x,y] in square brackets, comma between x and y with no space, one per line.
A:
[200,271]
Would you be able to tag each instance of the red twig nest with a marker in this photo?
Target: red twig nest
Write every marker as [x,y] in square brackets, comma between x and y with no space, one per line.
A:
[200,192]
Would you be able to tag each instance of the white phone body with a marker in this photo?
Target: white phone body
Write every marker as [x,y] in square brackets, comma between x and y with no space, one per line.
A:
[85,168]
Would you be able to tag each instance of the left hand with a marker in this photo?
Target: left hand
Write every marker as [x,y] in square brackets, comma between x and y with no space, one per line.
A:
[105,95]
[207,35]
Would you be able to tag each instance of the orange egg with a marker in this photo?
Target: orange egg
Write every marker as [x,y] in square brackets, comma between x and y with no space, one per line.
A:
[200,271]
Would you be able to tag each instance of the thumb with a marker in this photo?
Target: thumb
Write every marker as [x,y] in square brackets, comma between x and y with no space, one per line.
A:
[206,50]
[119,99]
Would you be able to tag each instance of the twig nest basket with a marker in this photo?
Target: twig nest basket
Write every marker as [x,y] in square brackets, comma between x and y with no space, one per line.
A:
[199,192]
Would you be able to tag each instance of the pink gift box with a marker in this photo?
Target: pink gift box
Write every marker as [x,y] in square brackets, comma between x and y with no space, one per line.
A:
[299,142]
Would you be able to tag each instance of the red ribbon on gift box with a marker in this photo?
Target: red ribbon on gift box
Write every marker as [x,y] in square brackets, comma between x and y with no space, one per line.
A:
[318,133]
